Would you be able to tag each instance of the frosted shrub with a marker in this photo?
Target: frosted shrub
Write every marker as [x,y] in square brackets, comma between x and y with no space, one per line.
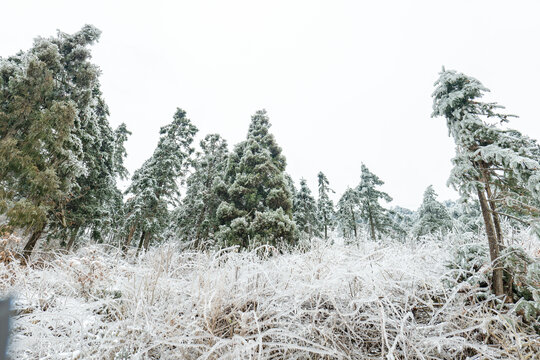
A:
[468,264]
[361,301]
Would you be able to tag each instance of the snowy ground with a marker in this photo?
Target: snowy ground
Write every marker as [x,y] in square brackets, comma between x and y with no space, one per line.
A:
[365,301]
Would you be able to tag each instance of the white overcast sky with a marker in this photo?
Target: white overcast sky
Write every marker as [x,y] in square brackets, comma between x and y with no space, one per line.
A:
[344,82]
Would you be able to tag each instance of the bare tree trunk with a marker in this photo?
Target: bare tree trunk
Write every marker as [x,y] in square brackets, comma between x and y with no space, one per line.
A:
[143,235]
[372,226]
[126,243]
[354,223]
[147,237]
[31,243]
[507,282]
[325,226]
[507,285]
[496,221]
[72,238]
[497,281]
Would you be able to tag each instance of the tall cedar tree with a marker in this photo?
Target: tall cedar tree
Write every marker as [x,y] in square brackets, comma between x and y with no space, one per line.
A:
[154,187]
[501,167]
[371,211]
[257,206]
[64,144]
[325,206]
[305,211]
[37,169]
[196,218]
[432,217]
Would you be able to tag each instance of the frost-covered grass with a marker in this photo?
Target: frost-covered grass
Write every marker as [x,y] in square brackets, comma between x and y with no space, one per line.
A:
[361,301]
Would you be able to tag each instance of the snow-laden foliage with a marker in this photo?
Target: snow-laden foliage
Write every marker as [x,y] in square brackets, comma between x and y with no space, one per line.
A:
[196,217]
[155,186]
[305,211]
[487,156]
[257,206]
[466,216]
[470,264]
[347,213]
[59,157]
[371,211]
[367,300]
[501,167]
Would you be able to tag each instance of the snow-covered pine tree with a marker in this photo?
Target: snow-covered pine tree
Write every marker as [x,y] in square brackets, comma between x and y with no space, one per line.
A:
[110,215]
[290,185]
[257,206]
[376,217]
[305,211]
[37,167]
[432,217]
[92,205]
[59,71]
[121,134]
[501,167]
[154,187]
[347,213]
[196,217]
[325,206]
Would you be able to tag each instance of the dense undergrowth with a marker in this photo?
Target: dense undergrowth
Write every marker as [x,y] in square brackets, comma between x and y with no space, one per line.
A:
[326,301]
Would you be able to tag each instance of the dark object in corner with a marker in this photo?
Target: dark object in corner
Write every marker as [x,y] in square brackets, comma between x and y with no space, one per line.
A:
[4,326]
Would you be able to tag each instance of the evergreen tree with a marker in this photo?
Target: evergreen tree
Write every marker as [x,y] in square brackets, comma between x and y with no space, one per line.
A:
[325,206]
[290,185]
[348,213]
[93,201]
[121,135]
[196,218]
[499,166]
[257,206]
[154,187]
[433,216]
[66,120]
[305,211]
[37,169]
[371,211]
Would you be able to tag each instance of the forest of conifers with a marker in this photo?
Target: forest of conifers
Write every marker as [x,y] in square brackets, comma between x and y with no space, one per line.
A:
[60,161]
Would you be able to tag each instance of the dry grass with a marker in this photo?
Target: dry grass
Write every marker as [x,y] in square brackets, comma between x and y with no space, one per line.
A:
[365,301]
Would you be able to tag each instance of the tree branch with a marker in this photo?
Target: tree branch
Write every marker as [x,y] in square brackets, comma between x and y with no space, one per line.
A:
[511,217]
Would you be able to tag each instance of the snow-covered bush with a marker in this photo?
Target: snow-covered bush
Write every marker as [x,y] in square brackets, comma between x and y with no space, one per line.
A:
[366,300]
[470,264]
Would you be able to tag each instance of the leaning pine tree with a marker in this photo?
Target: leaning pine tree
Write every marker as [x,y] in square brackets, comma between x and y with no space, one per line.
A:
[56,145]
[377,217]
[154,187]
[500,167]
[91,205]
[257,207]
